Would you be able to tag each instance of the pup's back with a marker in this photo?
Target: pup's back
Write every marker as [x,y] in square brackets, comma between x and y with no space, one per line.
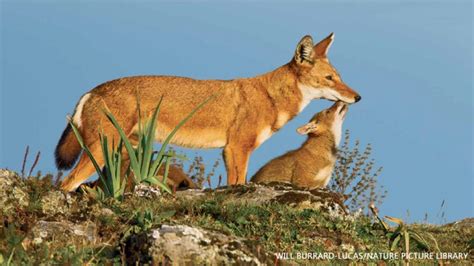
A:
[311,165]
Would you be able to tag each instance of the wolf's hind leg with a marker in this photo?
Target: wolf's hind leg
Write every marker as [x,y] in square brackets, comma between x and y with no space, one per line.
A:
[84,168]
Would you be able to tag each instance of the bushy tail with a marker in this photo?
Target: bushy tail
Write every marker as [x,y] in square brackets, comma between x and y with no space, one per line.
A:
[68,149]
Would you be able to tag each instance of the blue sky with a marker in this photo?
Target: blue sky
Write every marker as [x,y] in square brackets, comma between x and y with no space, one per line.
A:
[410,61]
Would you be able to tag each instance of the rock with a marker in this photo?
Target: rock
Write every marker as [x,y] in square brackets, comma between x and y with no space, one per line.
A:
[56,202]
[150,192]
[13,192]
[106,212]
[186,245]
[190,194]
[316,199]
[62,233]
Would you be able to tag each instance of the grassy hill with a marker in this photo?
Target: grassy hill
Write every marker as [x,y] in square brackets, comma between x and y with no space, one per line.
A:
[249,225]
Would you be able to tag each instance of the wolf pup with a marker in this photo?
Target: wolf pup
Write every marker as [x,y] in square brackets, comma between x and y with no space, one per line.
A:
[242,115]
[311,165]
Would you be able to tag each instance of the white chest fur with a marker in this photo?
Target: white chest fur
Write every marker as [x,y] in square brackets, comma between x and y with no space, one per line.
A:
[264,134]
[309,93]
[267,132]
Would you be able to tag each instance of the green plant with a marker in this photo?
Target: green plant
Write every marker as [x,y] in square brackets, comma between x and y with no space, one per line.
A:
[354,177]
[144,220]
[14,238]
[401,236]
[111,178]
[144,161]
[142,164]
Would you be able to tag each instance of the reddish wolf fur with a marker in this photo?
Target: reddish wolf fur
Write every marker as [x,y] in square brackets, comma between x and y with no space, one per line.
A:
[311,165]
[242,115]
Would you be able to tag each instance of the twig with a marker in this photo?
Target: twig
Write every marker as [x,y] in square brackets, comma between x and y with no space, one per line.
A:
[440,213]
[34,163]
[24,161]
[58,178]
[209,181]
[11,257]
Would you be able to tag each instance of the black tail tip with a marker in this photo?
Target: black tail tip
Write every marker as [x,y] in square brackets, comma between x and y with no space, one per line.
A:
[64,162]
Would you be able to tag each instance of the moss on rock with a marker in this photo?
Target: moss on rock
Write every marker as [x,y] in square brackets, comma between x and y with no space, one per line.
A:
[13,192]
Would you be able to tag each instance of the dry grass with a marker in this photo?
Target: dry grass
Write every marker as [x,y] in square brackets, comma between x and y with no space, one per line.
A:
[356,176]
[196,168]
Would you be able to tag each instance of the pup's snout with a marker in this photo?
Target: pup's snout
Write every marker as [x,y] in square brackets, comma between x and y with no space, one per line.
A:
[343,109]
[357,98]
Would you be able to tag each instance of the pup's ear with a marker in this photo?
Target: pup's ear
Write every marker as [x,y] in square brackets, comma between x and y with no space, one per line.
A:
[321,49]
[308,128]
[304,51]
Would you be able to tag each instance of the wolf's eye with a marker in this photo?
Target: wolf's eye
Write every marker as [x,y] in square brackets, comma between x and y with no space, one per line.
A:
[329,77]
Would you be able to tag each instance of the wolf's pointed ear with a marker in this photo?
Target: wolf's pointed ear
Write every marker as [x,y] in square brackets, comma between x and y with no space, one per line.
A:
[304,51]
[308,128]
[321,49]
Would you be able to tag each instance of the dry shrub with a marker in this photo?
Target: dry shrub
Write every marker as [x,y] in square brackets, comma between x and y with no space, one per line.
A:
[196,168]
[356,177]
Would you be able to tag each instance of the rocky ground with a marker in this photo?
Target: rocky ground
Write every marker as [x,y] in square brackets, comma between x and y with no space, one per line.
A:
[245,225]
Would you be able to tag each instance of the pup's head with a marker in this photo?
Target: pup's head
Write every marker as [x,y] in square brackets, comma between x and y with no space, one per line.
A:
[327,121]
[317,78]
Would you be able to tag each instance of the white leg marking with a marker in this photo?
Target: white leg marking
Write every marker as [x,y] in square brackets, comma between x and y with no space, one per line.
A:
[78,112]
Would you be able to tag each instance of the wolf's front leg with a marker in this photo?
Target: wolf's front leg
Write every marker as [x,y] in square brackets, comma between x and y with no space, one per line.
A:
[236,158]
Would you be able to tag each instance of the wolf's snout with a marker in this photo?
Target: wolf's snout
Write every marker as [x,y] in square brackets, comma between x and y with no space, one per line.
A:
[357,98]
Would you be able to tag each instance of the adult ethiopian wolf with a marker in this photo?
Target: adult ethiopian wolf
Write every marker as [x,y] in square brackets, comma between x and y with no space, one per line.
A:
[242,115]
